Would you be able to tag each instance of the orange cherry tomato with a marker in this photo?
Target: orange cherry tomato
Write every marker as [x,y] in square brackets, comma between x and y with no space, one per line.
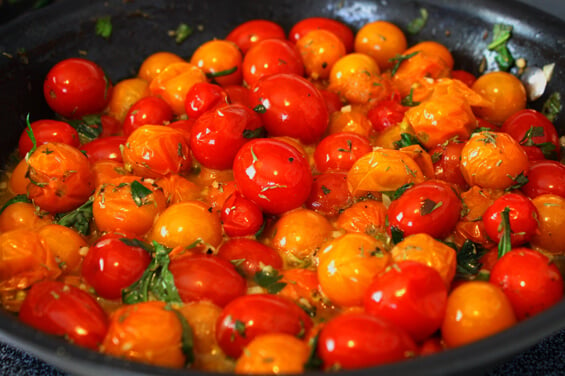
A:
[178,189]
[303,287]
[124,95]
[131,334]
[433,48]
[18,179]
[493,160]
[202,317]
[23,215]
[60,177]
[155,63]
[551,218]
[506,93]
[127,204]
[475,310]
[106,170]
[189,223]
[155,151]
[65,244]
[320,49]
[351,122]
[221,60]
[174,82]
[382,41]
[368,216]
[273,354]
[347,266]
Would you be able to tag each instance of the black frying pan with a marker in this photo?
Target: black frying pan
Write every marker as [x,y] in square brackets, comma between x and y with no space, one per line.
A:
[38,40]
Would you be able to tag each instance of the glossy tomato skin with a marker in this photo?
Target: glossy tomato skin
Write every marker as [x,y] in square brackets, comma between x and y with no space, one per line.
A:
[447,161]
[252,32]
[149,110]
[249,316]
[206,277]
[339,151]
[545,177]
[273,174]
[291,106]
[61,309]
[529,279]
[385,114]
[329,195]
[522,214]
[203,97]
[302,28]
[112,265]
[217,135]
[254,255]
[241,216]
[104,148]
[76,87]
[411,295]
[46,131]
[357,340]
[431,207]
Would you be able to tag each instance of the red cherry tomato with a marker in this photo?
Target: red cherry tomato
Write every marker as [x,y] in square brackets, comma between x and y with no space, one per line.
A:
[340,29]
[46,131]
[217,135]
[268,57]
[206,277]
[329,195]
[522,214]
[76,87]
[333,102]
[112,265]
[250,255]
[529,279]
[240,216]
[238,94]
[385,114]
[273,174]
[149,110]
[65,310]
[339,151]
[184,126]
[466,77]
[431,207]
[202,97]
[252,32]
[249,316]
[411,295]
[545,177]
[290,106]
[104,148]
[532,129]
[357,340]
[446,158]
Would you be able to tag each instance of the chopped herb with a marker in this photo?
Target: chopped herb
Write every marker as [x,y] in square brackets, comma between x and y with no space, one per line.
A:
[13,200]
[468,264]
[269,279]
[314,362]
[548,149]
[182,32]
[187,339]
[104,27]
[408,101]
[552,106]
[260,109]
[349,147]
[505,244]
[89,127]
[398,59]
[254,133]
[519,182]
[406,139]
[397,235]
[239,327]
[399,192]
[29,132]
[326,190]
[79,219]
[221,73]
[500,36]
[417,24]
[139,192]
[428,206]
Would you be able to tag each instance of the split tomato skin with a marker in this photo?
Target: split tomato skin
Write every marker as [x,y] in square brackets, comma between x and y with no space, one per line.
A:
[61,309]
[203,97]
[241,216]
[273,174]
[76,87]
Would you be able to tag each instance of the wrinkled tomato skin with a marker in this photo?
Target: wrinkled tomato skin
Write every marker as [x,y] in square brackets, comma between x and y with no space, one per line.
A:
[252,32]
[385,114]
[61,309]
[249,316]
[111,265]
[46,131]
[447,161]
[431,207]
[292,107]
[545,177]
[529,279]
[203,97]
[217,135]
[254,254]
[104,148]
[357,340]
[302,28]
[273,174]
[329,195]
[240,216]
[76,87]
[206,277]
[149,110]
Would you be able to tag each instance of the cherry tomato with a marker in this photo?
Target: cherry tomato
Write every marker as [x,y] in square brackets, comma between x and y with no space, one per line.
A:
[446,158]
[148,110]
[333,102]
[306,25]
[466,77]
[320,49]
[354,121]
[178,188]
[240,216]
[273,174]
[431,207]
[358,340]
[522,214]
[221,60]
[551,214]
[104,148]
[76,87]
[217,135]
[529,279]
[545,177]
[385,114]
[66,244]
[339,151]
[46,131]
[410,295]
[290,106]
[112,265]
[203,97]
[330,194]
[252,32]
[250,255]
[206,277]
[65,310]
[155,63]
[238,94]
[367,216]
[250,316]
[22,215]
[382,41]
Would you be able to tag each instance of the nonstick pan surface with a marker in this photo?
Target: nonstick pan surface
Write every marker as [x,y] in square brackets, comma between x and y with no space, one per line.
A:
[31,44]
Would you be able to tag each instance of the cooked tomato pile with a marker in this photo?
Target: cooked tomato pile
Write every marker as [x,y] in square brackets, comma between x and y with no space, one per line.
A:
[279,202]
